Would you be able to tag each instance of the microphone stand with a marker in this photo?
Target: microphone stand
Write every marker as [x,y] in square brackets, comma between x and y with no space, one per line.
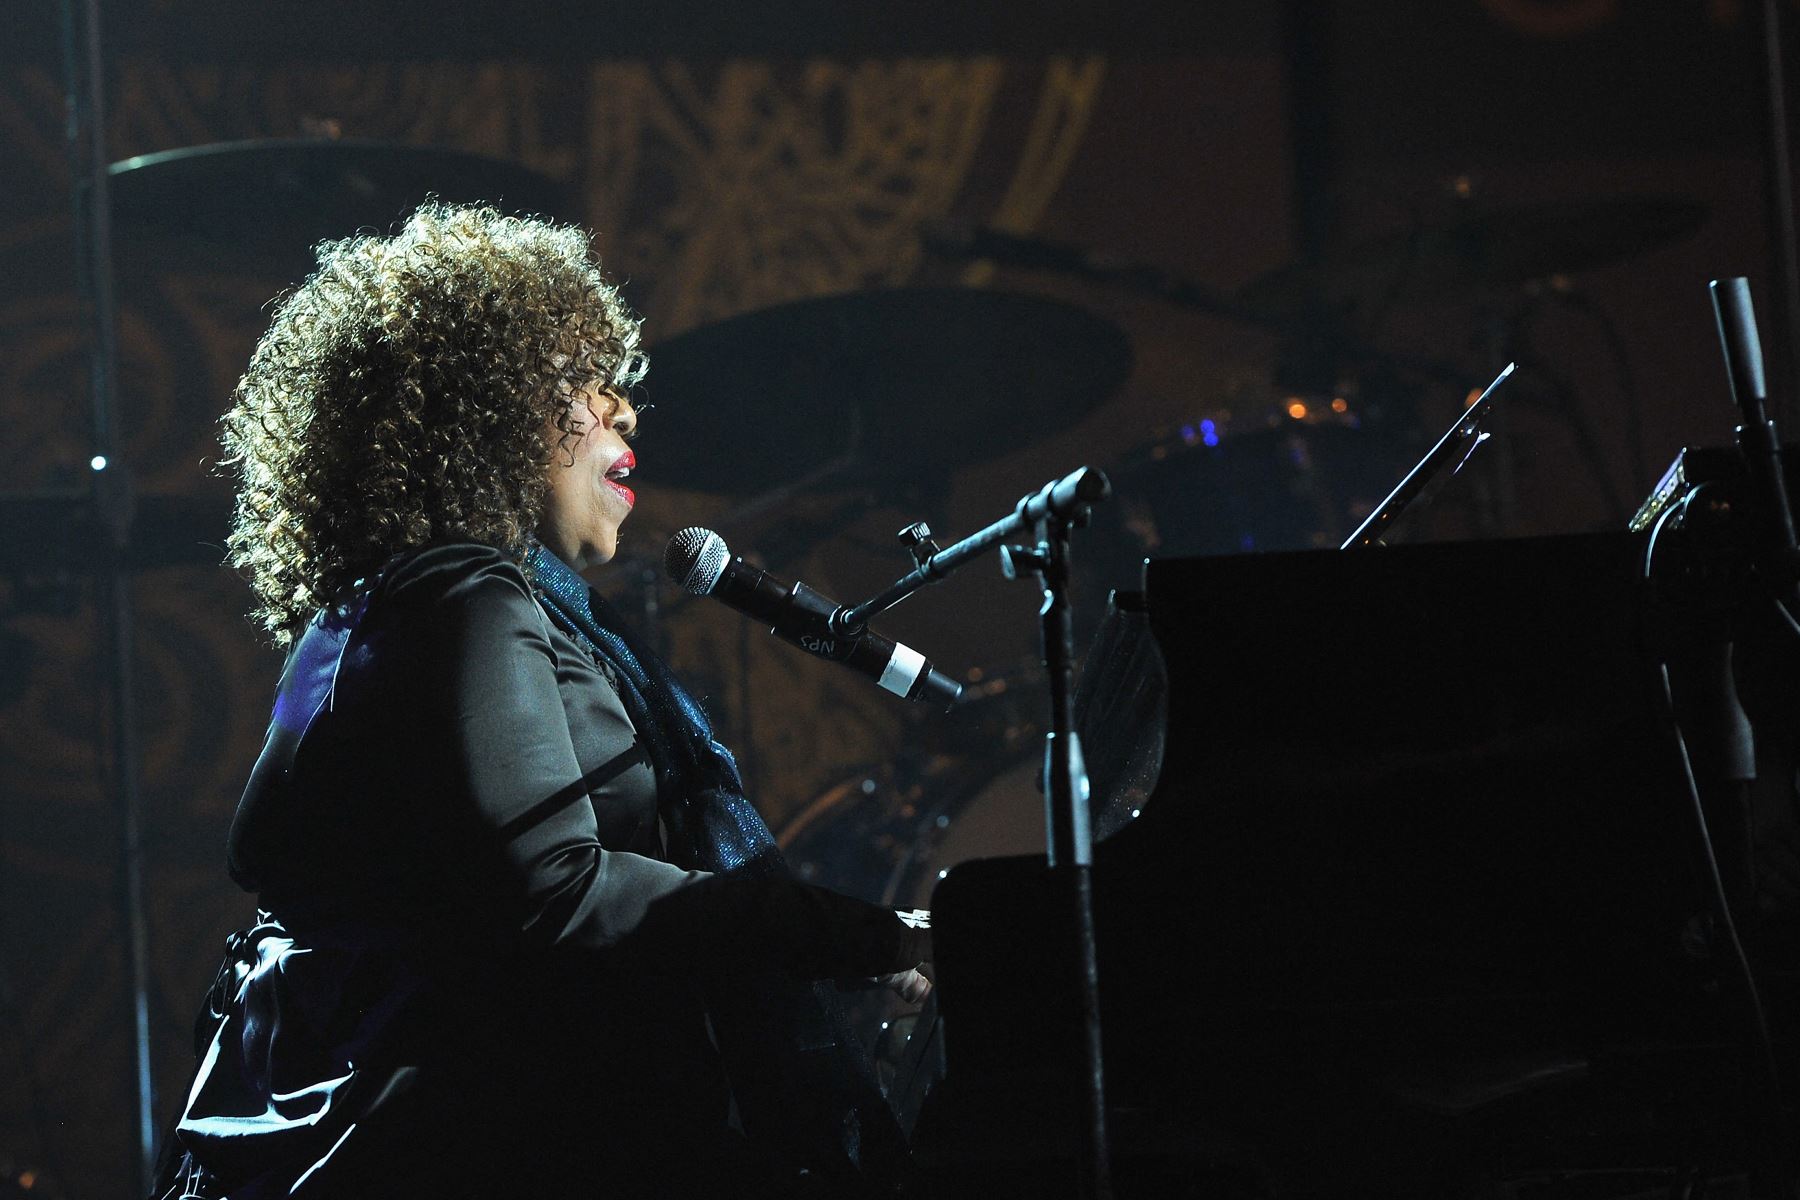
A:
[1065,498]
[1050,514]
[1778,169]
[1706,596]
[1757,440]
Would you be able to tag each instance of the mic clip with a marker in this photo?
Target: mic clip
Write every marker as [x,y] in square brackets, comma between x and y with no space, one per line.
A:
[917,540]
[1016,562]
[816,635]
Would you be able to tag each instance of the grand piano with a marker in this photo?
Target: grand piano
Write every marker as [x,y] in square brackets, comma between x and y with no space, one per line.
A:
[1398,894]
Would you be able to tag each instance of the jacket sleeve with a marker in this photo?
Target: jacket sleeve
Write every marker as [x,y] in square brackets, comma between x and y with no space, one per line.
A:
[519,792]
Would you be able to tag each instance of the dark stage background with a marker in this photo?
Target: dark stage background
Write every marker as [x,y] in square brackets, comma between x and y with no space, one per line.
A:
[732,157]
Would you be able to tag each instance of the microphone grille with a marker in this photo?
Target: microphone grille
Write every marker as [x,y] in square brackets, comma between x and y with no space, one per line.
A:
[695,559]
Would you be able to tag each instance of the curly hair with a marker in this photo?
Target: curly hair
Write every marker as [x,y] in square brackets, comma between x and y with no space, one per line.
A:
[414,388]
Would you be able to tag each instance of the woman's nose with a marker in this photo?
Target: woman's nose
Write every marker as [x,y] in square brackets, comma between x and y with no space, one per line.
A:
[624,419]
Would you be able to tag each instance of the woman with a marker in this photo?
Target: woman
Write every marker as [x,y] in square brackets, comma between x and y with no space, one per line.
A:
[519,932]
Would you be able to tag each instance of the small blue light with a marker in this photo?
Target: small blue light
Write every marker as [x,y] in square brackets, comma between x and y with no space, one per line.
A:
[1209,432]
[1247,542]
[98,462]
[1188,435]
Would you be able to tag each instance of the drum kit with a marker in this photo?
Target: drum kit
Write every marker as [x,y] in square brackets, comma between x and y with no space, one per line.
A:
[886,394]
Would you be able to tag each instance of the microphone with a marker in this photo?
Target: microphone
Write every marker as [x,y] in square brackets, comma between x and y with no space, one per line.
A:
[1757,439]
[1743,347]
[700,562]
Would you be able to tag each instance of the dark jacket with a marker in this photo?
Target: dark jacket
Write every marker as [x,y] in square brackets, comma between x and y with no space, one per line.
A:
[481,976]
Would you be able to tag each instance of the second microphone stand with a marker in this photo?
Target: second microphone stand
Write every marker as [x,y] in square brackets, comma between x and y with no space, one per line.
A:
[1068,830]
[1049,515]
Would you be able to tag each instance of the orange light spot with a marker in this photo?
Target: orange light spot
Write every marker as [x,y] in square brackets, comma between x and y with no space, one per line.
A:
[1470,399]
[1340,405]
[1296,409]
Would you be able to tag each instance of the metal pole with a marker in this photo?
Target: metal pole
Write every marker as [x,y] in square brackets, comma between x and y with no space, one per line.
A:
[1070,843]
[1785,256]
[111,496]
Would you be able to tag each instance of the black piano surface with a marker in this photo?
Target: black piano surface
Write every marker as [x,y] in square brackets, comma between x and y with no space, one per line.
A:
[1414,906]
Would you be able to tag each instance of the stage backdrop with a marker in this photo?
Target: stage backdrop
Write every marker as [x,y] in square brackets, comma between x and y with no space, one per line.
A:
[727,166]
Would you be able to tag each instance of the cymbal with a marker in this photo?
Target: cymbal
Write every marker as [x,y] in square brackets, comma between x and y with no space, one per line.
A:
[908,381]
[277,197]
[1498,247]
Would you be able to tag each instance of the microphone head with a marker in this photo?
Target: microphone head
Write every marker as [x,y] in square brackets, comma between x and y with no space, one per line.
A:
[1743,345]
[695,559]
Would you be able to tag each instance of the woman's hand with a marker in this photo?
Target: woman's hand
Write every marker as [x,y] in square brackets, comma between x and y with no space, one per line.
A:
[911,986]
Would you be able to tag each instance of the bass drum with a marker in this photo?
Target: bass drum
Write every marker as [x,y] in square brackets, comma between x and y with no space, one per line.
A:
[1005,816]
[887,833]
[964,787]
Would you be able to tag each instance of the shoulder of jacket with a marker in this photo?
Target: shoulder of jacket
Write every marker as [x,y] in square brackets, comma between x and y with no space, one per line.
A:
[442,566]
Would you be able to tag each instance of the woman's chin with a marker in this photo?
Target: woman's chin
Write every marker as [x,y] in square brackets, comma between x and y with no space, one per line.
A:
[601,550]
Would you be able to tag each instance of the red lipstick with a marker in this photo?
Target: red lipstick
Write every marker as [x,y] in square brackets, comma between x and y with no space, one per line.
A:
[622,466]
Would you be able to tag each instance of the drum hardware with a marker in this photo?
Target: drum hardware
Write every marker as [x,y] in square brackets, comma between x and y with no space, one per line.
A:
[958,789]
[887,391]
[1263,308]
[929,376]
[1310,304]
[1300,475]
[306,190]
[1528,249]
[1500,247]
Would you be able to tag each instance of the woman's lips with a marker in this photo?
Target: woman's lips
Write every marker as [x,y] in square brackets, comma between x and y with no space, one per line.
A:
[622,466]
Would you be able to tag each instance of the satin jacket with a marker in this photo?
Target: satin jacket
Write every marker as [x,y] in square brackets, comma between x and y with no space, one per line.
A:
[473,971]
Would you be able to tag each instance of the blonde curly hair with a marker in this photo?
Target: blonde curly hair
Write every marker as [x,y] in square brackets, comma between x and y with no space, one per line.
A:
[413,389]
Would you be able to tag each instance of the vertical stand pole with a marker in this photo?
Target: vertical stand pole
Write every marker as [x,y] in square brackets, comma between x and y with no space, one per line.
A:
[1785,255]
[1071,849]
[111,499]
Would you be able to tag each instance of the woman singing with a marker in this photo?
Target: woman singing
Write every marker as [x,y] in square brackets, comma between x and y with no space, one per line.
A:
[519,933]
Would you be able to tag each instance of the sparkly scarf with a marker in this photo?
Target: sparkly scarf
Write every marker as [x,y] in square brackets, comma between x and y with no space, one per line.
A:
[802,1080]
